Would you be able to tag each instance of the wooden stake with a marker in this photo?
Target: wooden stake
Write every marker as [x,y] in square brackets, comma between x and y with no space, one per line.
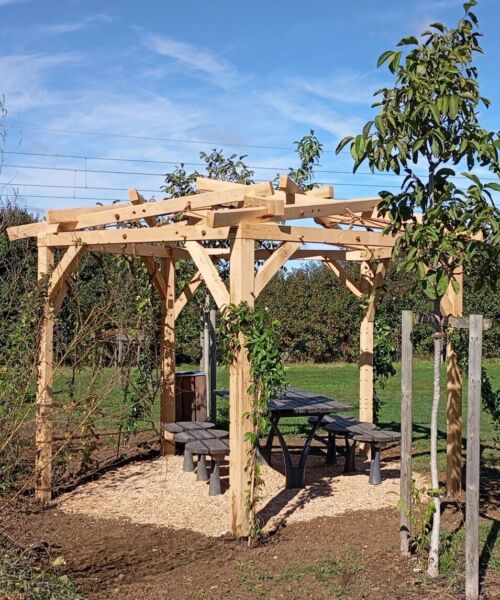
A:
[205,356]
[406,431]
[453,305]
[241,289]
[366,349]
[167,360]
[473,459]
[213,363]
[44,397]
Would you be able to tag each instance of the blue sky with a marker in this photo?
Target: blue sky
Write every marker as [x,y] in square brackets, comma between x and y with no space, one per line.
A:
[248,77]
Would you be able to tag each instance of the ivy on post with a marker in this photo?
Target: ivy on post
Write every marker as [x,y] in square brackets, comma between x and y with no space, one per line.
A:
[244,328]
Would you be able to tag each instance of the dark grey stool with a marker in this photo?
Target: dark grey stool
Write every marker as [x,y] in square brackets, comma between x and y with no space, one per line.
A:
[376,438]
[171,429]
[347,427]
[184,437]
[217,449]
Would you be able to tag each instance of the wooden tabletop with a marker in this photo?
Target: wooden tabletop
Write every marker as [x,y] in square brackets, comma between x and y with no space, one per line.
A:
[214,447]
[180,426]
[297,401]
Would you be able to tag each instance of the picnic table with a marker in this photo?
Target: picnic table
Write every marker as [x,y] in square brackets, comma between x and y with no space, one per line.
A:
[295,402]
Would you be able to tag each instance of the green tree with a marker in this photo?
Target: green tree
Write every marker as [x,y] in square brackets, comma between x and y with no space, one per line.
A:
[309,150]
[427,127]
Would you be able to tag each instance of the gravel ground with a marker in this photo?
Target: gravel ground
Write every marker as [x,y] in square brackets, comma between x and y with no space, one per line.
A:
[160,493]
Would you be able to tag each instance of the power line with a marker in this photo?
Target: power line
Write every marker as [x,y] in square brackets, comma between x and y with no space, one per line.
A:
[20,127]
[70,187]
[149,174]
[191,164]
[77,187]
[97,199]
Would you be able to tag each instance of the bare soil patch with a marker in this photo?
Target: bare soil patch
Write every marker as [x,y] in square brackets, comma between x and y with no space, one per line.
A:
[354,555]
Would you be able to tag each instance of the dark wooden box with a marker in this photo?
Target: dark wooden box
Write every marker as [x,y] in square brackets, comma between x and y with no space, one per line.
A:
[190,396]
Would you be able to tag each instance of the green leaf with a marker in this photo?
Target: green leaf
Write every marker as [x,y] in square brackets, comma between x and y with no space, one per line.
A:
[442,284]
[453,110]
[435,113]
[343,143]
[439,26]
[411,39]
[384,56]
[394,64]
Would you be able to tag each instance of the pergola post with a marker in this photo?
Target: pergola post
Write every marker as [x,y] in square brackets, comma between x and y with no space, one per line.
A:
[44,396]
[241,290]
[370,283]
[167,350]
[452,305]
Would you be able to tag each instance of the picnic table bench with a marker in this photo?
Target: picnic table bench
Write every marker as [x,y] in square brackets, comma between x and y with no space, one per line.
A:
[217,449]
[356,431]
[295,402]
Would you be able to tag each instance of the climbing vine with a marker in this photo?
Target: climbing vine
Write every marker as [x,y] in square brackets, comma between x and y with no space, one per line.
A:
[253,329]
[384,353]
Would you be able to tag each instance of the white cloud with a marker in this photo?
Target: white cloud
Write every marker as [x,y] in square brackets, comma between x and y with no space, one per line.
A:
[193,57]
[5,2]
[313,114]
[23,78]
[347,86]
[75,25]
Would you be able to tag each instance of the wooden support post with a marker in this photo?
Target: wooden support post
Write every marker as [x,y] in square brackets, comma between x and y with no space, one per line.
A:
[473,459]
[44,397]
[366,332]
[452,305]
[241,289]
[366,387]
[167,359]
[406,431]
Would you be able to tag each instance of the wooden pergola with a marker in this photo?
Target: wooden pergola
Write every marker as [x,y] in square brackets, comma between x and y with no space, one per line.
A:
[163,231]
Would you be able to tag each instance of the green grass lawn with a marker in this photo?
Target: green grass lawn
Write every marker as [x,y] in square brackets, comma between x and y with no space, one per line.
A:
[337,380]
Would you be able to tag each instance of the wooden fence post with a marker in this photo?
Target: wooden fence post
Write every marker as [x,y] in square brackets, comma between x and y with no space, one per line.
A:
[366,349]
[406,430]
[44,397]
[205,354]
[167,361]
[473,458]
[213,363]
[209,358]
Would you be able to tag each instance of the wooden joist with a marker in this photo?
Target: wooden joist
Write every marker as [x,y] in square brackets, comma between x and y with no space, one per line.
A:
[230,217]
[166,207]
[187,293]
[140,250]
[70,215]
[344,277]
[173,232]
[273,264]
[20,232]
[339,237]
[209,272]
[64,269]
[274,207]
